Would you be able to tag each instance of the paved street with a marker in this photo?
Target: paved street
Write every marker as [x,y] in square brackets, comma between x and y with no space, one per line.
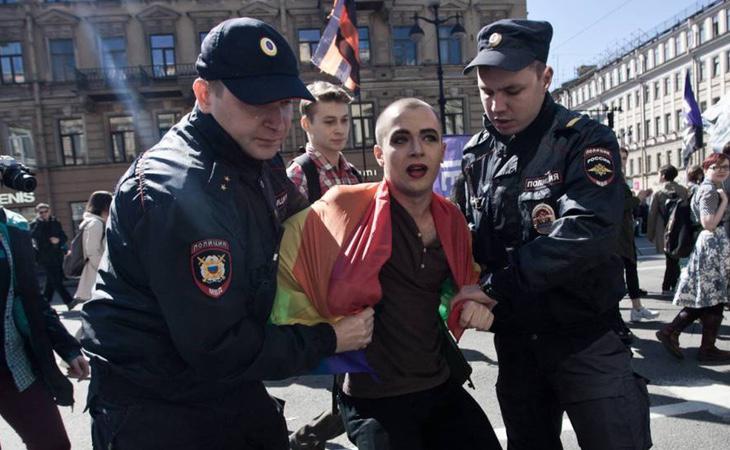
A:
[690,403]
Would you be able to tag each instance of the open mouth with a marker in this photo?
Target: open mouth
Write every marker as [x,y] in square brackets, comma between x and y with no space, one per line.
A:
[417,170]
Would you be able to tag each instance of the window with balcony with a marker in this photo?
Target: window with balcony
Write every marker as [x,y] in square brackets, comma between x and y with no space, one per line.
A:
[363,119]
[114,52]
[124,144]
[73,147]
[162,50]
[364,44]
[715,66]
[165,121]
[11,63]
[404,49]
[20,144]
[63,60]
[454,115]
[450,46]
[308,41]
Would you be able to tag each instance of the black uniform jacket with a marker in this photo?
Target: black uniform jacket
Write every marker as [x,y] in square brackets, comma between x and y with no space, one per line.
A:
[48,254]
[186,286]
[43,333]
[545,207]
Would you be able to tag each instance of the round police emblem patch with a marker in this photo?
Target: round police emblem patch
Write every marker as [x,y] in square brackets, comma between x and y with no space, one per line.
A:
[598,166]
[494,40]
[210,261]
[268,47]
[543,216]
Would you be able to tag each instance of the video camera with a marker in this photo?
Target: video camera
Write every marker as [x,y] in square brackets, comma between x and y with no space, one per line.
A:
[15,175]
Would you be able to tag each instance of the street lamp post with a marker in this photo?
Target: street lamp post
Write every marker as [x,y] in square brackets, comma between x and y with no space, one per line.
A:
[416,34]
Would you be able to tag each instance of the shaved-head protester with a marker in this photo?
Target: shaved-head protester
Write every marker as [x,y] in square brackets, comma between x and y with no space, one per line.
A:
[399,245]
[544,196]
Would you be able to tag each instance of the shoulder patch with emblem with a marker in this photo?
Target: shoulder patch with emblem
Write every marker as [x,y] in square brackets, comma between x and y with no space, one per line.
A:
[598,166]
[543,216]
[210,261]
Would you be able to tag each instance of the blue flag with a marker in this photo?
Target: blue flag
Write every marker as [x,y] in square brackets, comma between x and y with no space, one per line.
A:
[692,136]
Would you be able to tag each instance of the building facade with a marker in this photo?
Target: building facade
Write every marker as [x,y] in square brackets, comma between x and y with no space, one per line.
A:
[85,86]
[643,88]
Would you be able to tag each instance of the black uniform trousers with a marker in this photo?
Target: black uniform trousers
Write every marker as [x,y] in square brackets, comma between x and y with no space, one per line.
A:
[632,277]
[442,418]
[247,418]
[587,376]
[671,273]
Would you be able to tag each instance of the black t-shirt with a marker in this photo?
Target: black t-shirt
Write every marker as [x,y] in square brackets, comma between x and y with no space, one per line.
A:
[4,288]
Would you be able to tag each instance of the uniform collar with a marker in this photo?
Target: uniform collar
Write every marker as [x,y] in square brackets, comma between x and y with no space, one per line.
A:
[221,144]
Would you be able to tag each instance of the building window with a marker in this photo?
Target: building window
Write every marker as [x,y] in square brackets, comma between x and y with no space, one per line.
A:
[715,100]
[669,156]
[450,46]
[667,122]
[648,163]
[678,49]
[362,120]
[677,81]
[11,63]
[404,49]
[715,25]
[364,44]
[631,167]
[666,86]
[77,214]
[63,61]
[657,125]
[727,60]
[162,49]
[638,131]
[632,138]
[678,122]
[702,33]
[114,52]
[701,70]
[679,157]
[656,90]
[308,41]
[628,102]
[715,66]
[641,168]
[73,147]
[658,160]
[703,106]
[647,126]
[165,121]
[20,144]
[454,116]
[124,145]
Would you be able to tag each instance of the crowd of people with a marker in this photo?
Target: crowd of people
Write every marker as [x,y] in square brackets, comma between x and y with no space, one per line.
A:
[193,269]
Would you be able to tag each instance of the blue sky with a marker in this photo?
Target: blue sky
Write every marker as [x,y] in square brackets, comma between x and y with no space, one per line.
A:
[585,29]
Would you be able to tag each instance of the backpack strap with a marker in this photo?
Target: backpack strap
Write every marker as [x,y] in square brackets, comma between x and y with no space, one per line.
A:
[314,191]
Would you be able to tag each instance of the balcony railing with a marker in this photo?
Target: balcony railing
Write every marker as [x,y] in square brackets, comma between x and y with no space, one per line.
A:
[135,76]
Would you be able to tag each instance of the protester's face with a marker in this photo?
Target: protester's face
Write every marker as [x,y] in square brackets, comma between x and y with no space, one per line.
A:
[328,127]
[719,171]
[411,151]
[259,130]
[512,100]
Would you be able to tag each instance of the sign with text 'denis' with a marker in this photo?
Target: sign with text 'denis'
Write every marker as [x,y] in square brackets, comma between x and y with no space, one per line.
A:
[16,198]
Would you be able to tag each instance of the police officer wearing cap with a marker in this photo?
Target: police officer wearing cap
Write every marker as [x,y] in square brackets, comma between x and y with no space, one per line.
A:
[543,196]
[177,327]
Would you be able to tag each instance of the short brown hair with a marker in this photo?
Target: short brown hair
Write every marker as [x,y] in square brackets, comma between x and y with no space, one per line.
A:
[695,174]
[714,158]
[726,149]
[323,91]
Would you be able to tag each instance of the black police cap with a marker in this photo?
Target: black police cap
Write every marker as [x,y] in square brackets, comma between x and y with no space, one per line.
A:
[512,44]
[252,60]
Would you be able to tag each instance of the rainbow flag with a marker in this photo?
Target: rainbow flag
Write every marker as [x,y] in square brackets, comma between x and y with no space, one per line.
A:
[338,52]
[331,255]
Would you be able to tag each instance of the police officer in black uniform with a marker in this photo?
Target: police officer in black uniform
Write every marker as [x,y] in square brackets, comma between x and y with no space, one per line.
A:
[177,327]
[544,199]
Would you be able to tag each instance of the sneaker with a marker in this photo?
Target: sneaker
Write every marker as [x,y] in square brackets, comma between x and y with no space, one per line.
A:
[637,315]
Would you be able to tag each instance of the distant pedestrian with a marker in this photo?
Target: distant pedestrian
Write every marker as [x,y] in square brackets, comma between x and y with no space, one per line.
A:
[704,286]
[695,175]
[658,215]
[93,240]
[49,242]
[627,250]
